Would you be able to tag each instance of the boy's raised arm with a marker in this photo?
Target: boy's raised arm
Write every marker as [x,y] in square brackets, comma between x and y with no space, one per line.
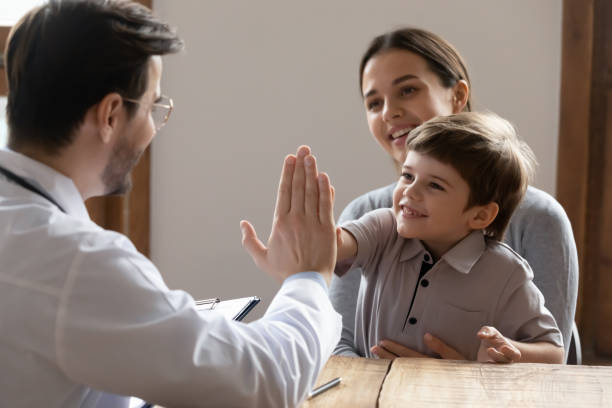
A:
[347,245]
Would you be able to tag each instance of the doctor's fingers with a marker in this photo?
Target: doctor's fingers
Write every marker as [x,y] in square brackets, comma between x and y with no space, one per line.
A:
[326,201]
[252,244]
[298,182]
[283,198]
[311,203]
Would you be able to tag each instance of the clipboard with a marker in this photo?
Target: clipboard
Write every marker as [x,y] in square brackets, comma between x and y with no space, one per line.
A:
[235,309]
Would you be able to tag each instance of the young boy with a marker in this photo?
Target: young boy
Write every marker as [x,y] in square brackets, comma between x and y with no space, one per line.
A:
[434,264]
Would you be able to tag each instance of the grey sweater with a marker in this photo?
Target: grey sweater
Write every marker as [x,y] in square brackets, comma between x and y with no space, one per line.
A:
[539,231]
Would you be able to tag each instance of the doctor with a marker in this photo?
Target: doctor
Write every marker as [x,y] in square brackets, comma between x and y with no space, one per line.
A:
[84,318]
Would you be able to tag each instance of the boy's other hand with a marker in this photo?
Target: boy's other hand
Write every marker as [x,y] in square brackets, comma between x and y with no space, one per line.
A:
[389,349]
[494,347]
[303,236]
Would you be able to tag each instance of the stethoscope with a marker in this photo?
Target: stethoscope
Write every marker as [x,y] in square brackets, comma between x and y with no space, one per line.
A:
[29,186]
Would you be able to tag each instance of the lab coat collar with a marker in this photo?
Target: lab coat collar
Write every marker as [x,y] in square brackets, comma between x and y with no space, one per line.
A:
[58,186]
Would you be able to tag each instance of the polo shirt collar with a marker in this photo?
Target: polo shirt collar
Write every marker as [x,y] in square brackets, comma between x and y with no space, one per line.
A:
[57,185]
[412,247]
[461,257]
[466,252]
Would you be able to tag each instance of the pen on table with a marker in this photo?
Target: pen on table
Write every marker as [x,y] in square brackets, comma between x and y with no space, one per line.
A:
[324,387]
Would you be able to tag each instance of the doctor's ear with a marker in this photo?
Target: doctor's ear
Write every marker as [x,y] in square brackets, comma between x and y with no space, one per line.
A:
[483,216]
[108,113]
[461,94]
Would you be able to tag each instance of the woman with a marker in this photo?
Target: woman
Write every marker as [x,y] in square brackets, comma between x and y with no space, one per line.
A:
[407,77]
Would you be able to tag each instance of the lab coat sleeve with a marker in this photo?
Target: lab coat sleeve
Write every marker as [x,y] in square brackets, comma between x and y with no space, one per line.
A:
[121,330]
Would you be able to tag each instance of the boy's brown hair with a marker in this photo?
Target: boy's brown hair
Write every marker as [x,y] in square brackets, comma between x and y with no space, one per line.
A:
[486,151]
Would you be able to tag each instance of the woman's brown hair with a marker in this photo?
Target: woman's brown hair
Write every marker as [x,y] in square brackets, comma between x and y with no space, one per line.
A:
[442,58]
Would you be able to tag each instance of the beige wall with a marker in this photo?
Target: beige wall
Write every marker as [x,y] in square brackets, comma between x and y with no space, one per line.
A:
[258,78]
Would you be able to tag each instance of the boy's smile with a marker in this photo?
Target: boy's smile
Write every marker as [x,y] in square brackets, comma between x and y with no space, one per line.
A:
[410,212]
[429,203]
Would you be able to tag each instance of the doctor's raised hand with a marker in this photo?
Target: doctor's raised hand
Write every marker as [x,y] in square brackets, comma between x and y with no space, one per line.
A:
[303,234]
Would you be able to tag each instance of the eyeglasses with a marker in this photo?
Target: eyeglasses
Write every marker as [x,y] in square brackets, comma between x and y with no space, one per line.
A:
[160,111]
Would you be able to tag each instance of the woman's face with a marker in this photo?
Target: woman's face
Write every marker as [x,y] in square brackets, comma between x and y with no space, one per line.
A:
[399,93]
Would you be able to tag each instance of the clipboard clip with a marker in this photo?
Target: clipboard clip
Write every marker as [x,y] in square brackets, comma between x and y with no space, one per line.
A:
[212,302]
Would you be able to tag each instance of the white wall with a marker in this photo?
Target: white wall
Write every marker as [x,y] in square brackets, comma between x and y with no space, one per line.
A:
[258,78]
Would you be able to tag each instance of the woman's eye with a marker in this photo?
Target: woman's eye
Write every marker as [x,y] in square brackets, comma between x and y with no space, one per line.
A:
[373,105]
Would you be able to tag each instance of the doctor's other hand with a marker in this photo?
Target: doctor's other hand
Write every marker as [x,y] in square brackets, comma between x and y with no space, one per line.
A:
[303,236]
[494,347]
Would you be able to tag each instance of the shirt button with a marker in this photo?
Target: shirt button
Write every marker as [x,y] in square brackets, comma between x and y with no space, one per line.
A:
[426,258]
[412,320]
[424,283]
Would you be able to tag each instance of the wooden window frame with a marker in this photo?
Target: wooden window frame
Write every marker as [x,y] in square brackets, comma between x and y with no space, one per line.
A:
[128,214]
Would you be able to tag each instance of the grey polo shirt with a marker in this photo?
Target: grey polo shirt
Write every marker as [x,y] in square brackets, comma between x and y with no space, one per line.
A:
[477,282]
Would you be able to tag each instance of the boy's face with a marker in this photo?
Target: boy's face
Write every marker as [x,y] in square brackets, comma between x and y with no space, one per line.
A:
[429,203]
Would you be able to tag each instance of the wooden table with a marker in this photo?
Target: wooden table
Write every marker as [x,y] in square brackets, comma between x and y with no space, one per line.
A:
[444,383]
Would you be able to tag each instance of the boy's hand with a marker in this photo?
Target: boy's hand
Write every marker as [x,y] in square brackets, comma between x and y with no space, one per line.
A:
[496,348]
[303,236]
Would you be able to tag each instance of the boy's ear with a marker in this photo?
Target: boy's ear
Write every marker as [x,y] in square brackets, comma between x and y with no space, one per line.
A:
[108,112]
[483,216]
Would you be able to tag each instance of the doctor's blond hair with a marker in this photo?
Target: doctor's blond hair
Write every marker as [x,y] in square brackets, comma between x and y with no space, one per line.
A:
[486,151]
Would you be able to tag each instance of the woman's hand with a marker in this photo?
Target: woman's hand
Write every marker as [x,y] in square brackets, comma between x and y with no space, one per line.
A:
[303,236]
[389,349]
[496,348]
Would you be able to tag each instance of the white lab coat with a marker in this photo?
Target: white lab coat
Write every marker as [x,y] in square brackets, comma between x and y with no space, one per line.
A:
[84,318]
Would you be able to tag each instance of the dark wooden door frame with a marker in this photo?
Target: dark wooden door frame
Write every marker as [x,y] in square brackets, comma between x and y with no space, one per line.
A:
[584,169]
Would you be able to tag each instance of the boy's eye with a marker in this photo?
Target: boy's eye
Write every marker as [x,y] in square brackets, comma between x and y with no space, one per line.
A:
[436,186]
[408,176]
